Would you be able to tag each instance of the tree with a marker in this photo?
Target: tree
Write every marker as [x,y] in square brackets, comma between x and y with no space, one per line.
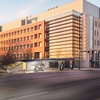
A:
[8,58]
[28,54]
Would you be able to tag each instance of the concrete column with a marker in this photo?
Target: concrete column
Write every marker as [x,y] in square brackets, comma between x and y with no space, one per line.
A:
[99,58]
[24,65]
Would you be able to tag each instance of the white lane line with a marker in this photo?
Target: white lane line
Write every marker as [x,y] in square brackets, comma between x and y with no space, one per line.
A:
[28,95]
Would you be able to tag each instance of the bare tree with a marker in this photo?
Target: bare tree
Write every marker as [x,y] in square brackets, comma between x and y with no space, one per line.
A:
[28,54]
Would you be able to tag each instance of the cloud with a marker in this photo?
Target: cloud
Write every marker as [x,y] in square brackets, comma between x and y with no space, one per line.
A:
[23,12]
[31,8]
[3,18]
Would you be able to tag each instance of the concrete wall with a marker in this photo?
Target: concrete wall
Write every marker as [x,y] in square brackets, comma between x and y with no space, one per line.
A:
[11,25]
[97,33]
[31,65]
[86,41]
[90,9]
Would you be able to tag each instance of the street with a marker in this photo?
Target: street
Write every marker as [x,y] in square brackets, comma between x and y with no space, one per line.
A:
[64,85]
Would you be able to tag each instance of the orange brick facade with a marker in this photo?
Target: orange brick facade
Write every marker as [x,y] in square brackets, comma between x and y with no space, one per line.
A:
[28,40]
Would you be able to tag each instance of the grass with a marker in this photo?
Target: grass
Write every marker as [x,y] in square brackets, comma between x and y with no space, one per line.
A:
[14,65]
[2,71]
[9,67]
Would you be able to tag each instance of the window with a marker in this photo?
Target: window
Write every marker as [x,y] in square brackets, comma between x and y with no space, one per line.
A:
[24,46]
[95,42]
[24,30]
[97,33]
[95,23]
[28,29]
[32,29]
[4,42]
[24,38]
[20,46]
[12,48]
[31,45]
[40,35]
[35,36]
[12,40]
[35,28]
[22,22]
[40,44]
[35,44]
[20,56]
[21,39]
[36,55]
[6,34]
[18,40]
[21,31]
[32,37]
[40,27]
[17,32]
[12,33]
[28,46]
[28,37]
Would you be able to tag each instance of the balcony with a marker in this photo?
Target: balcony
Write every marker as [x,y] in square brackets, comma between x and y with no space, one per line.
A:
[46,48]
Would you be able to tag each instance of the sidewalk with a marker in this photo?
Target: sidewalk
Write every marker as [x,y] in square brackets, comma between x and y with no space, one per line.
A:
[87,69]
[55,70]
[3,74]
[49,70]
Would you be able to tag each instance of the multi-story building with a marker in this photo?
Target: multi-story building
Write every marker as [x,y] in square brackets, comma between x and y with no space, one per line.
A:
[71,31]
[28,40]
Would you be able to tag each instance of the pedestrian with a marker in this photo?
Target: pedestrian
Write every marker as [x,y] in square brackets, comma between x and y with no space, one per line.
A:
[4,67]
[61,66]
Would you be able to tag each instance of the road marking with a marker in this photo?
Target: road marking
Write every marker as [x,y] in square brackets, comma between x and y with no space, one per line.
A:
[28,95]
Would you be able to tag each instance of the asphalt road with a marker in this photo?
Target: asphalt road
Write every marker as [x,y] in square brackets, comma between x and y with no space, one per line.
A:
[65,85]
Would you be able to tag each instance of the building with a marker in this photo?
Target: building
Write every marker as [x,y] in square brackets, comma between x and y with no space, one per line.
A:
[71,31]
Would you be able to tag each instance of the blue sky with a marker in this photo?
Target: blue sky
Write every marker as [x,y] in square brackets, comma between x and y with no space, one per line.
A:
[15,9]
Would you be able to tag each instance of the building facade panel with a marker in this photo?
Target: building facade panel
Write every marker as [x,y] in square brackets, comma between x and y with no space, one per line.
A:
[64,36]
[26,39]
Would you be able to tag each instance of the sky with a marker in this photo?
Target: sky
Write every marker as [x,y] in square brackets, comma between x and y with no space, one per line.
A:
[16,9]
